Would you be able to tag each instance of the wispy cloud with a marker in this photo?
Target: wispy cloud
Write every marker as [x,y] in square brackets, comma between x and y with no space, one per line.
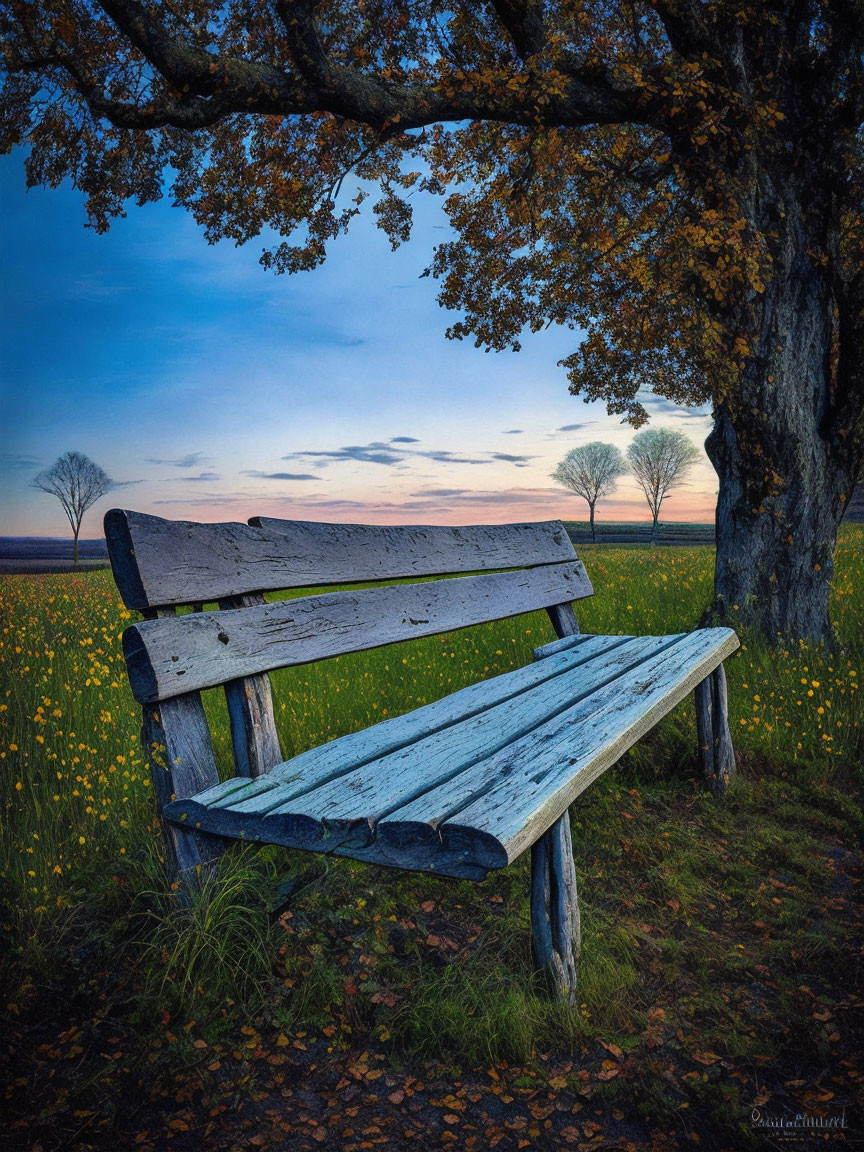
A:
[440,501]
[279,475]
[375,453]
[511,496]
[381,452]
[192,460]
[440,492]
[453,458]
[666,407]
[215,499]
[18,460]
[575,427]
[509,458]
[201,478]
[512,432]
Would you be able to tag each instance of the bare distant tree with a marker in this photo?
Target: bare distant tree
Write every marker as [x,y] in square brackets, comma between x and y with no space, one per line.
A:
[660,459]
[591,471]
[77,483]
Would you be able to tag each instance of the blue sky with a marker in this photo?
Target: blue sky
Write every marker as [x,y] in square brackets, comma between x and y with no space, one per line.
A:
[218,391]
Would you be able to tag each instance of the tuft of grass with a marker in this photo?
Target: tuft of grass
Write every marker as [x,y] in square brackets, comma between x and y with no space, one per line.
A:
[216,947]
[474,1013]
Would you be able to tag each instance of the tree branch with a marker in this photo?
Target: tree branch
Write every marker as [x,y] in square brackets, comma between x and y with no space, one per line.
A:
[523,20]
[685,26]
[244,84]
[204,87]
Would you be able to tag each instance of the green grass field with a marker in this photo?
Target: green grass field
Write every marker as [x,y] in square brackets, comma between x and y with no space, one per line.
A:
[703,921]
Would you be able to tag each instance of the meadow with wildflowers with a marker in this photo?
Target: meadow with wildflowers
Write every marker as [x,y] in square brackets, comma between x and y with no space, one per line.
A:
[716,959]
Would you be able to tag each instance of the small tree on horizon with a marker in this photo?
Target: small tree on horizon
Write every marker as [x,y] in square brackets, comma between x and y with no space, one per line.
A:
[660,459]
[591,471]
[77,483]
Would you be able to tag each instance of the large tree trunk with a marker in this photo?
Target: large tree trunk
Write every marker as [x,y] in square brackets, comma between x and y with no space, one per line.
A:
[785,473]
[593,533]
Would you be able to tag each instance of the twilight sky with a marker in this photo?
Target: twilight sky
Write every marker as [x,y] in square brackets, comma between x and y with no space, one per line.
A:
[218,391]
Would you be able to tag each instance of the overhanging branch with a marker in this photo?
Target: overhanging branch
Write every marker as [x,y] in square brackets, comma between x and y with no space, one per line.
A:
[203,86]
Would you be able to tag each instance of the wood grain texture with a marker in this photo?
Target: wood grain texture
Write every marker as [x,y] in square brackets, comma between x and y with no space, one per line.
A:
[405,777]
[543,952]
[716,752]
[472,796]
[353,806]
[563,619]
[339,815]
[724,752]
[179,752]
[555,924]
[516,794]
[702,699]
[157,562]
[522,790]
[320,765]
[169,656]
[250,712]
[555,646]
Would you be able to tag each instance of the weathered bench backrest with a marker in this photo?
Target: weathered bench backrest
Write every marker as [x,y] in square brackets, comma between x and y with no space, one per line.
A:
[161,564]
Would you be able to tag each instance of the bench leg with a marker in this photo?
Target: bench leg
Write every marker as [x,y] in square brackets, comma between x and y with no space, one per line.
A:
[177,745]
[555,909]
[716,753]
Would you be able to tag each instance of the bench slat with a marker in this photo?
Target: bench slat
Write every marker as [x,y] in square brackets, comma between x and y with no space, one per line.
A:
[485,815]
[161,562]
[559,645]
[354,553]
[166,657]
[515,795]
[370,793]
[381,784]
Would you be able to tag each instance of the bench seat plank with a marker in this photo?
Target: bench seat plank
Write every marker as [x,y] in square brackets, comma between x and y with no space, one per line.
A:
[319,765]
[348,807]
[556,646]
[392,781]
[471,795]
[288,804]
[517,793]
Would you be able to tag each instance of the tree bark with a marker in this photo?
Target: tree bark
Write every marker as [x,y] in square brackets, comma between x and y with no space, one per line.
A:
[785,473]
[75,547]
[593,533]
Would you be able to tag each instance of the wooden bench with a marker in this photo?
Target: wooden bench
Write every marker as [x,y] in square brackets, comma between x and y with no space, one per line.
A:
[458,787]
